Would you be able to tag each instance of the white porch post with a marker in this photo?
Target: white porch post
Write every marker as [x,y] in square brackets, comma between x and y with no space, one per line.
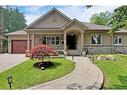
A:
[33,40]
[9,46]
[82,40]
[64,41]
[65,47]
[28,42]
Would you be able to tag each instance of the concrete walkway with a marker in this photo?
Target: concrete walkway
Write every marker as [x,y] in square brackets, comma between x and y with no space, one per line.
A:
[85,76]
[10,60]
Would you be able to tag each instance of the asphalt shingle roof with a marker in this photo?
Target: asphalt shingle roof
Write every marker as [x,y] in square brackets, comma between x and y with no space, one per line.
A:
[20,32]
[92,26]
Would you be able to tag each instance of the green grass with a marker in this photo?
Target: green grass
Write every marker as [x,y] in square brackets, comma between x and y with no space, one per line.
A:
[115,72]
[25,75]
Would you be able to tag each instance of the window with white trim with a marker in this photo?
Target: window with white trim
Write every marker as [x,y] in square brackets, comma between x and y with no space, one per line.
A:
[57,40]
[44,40]
[96,39]
[48,40]
[117,40]
[54,40]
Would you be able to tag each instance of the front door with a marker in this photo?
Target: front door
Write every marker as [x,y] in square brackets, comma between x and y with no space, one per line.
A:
[71,42]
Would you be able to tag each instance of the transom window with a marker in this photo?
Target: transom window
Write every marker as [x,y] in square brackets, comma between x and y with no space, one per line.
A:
[96,39]
[55,40]
[117,40]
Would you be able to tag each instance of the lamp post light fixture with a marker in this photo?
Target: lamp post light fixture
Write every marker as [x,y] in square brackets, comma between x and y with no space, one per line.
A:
[10,81]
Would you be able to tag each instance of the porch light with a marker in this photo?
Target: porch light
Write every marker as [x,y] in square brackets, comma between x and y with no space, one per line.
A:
[72,33]
[9,81]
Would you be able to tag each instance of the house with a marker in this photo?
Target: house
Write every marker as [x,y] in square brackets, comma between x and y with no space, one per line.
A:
[64,34]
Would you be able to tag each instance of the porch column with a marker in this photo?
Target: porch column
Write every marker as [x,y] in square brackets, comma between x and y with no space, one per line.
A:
[64,41]
[33,40]
[82,40]
[28,42]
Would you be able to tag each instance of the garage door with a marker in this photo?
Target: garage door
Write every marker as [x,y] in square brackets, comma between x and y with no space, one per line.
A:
[19,46]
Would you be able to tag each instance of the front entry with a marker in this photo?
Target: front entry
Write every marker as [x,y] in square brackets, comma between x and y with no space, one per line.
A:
[71,42]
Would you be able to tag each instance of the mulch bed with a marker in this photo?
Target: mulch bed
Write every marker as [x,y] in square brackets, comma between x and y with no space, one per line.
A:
[46,64]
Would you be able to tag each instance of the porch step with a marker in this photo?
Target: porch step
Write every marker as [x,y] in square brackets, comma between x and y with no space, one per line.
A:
[74,52]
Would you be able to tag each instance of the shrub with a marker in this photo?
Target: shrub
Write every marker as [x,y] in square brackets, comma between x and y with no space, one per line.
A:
[41,51]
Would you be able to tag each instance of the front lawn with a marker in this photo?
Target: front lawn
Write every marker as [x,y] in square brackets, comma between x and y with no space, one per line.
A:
[115,72]
[25,75]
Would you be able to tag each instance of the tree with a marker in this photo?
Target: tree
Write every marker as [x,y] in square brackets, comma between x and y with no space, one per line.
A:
[11,19]
[102,19]
[42,51]
[119,18]
[17,20]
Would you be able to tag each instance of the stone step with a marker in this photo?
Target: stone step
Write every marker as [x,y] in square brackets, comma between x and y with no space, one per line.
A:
[73,52]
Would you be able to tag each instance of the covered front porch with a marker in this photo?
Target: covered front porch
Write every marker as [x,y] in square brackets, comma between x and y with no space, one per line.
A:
[70,42]
[73,42]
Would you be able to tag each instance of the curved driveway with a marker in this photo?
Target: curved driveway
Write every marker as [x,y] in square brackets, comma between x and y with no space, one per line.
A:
[85,76]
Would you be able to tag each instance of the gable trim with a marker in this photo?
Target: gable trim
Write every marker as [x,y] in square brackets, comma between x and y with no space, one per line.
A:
[41,17]
[71,22]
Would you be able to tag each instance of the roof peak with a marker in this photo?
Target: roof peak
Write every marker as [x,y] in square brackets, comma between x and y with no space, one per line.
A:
[54,8]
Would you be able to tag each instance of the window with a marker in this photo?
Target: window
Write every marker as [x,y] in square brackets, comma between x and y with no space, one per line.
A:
[57,40]
[117,40]
[44,40]
[48,40]
[51,40]
[96,39]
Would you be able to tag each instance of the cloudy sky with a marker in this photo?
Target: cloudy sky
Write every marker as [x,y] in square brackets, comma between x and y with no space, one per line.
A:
[80,12]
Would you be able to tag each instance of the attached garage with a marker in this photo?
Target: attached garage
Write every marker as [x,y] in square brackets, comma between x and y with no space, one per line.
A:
[19,46]
[17,42]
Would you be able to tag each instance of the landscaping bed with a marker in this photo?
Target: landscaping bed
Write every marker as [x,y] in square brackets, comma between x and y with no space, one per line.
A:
[26,75]
[114,70]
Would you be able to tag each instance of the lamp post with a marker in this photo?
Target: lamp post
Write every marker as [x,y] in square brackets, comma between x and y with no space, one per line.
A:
[10,81]
[72,57]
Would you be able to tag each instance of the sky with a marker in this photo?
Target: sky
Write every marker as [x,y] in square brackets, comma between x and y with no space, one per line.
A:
[79,12]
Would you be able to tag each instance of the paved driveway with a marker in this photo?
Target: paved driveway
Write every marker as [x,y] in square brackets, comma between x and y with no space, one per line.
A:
[85,76]
[10,60]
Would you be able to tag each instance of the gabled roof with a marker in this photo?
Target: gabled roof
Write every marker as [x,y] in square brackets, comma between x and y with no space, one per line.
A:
[92,26]
[71,22]
[20,32]
[85,25]
[50,11]
[89,26]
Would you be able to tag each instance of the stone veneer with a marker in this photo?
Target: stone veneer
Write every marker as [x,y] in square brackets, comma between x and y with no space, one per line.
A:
[104,49]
